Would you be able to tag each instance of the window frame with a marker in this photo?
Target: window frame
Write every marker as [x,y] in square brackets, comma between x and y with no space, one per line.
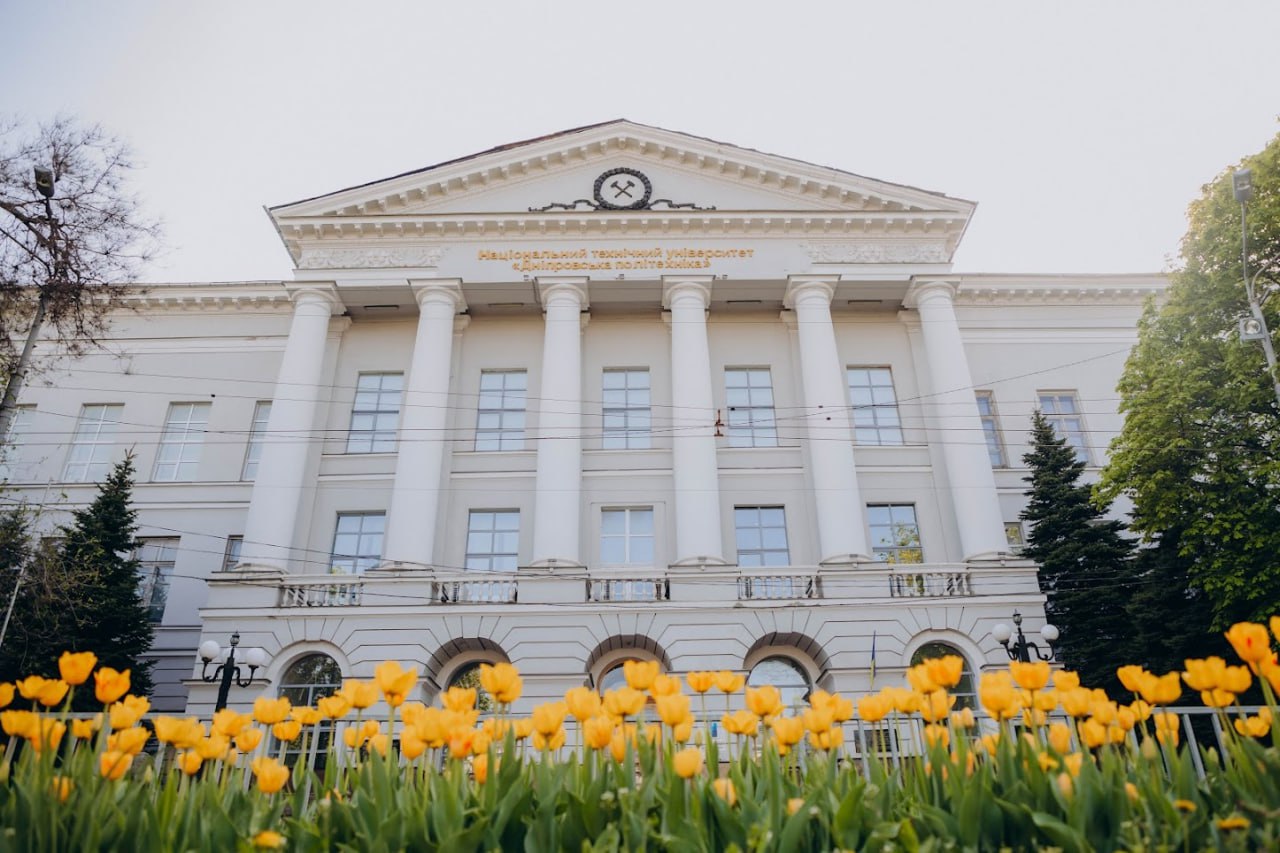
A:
[12,463]
[789,698]
[510,559]
[155,576]
[179,437]
[1078,440]
[626,437]
[361,561]
[762,552]
[754,424]
[893,553]
[232,552]
[628,536]
[100,443]
[503,436]
[858,412]
[991,427]
[376,438]
[964,698]
[256,441]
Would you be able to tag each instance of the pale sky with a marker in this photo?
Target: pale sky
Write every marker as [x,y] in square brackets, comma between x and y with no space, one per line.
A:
[1082,129]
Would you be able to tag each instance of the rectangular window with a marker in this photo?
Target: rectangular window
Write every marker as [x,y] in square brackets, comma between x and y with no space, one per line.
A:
[1014,536]
[375,413]
[179,455]
[895,536]
[875,406]
[91,446]
[626,410]
[749,397]
[493,540]
[990,428]
[156,558]
[626,536]
[231,557]
[500,414]
[761,533]
[257,431]
[11,467]
[1061,410]
[357,542]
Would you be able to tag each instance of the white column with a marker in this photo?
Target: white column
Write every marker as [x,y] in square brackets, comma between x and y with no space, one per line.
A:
[558,483]
[838,504]
[694,471]
[415,497]
[281,477]
[959,426]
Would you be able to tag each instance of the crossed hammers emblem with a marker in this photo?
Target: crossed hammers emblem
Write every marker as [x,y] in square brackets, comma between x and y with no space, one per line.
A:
[621,190]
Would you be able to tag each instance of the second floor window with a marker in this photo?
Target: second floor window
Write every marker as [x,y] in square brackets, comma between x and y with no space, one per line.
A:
[257,431]
[231,555]
[357,542]
[91,446]
[375,413]
[500,413]
[895,535]
[493,540]
[626,410]
[990,428]
[749,397]
[875,406]
[179,455]
[1061,409]
[761,533]
[156,559]
[626,536]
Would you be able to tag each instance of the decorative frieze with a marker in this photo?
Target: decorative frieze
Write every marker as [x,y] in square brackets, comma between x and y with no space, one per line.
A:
[371,257]
[887,252]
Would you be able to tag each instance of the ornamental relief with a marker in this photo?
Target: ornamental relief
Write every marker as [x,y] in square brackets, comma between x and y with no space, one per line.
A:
[895,252]
[366,258]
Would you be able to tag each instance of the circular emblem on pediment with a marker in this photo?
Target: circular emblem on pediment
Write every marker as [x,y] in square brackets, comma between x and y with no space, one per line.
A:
[623,189]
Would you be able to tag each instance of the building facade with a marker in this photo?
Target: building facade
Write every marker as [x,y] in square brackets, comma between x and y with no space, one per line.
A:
[617,392]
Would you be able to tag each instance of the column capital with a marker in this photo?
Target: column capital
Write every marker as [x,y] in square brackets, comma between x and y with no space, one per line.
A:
[925,289]
[439,290]
[804,287]
[315,293]
[555,288]
[674,286]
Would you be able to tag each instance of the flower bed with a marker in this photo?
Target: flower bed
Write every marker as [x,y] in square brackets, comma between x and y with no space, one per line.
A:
[1051,764]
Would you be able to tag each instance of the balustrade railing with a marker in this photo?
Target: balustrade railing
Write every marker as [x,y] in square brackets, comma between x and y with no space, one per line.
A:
[778,587]
[926,584]
[628,589]
[336,592]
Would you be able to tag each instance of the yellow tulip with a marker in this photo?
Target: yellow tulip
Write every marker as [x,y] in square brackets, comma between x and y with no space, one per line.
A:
[1093,733]
[548,718]
[1066,785]
[1161,690]
[268,711]
[189,762]
[936,706]
[687,762]
[110,685]
[664,685]
[1237,679]
[741,722]
[764,701]
[380,744]
[841,708]
[248,740]
[480,768]
[411,746]
[1141,710]
[682,732]
[1075,701]
[700,682]
[31,686]
[673,709]
[1257,726]
[1275,627]
[729,682]
[1030,676]
[945,671]
[113,765]
[1250,641]
[935,734]
[62,788]
[1066,680]
[501,681]
[1060,737]
[920,680]
[287,730]
[1125,718]
[268,840]
[86,728]
[963,719]
[724,790]
[129,741]
[597,731]
[6,694]
[1217,698]
[995,691]
[230,723]
[359,694]
[214,747]
[53,692]
[640,674]
[270,773]
[873,709]
[550,742]
[394,681]
[788,731]
[1168,727]
[523,728]
[76,666]
[19,723]
[47,734]
[583,703]
[831,739]
[904,701]
[817,720]
[623,702]
[127,711]
[1204,674]
[333,707]
[1130,676]
[619,743]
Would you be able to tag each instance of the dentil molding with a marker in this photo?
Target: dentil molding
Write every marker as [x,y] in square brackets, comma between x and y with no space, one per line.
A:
[370,257]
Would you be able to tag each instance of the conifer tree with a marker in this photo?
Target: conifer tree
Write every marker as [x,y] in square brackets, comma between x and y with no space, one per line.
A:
[1085,562]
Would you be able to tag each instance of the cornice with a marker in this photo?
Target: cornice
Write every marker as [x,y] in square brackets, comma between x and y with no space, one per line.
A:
[236,296]
[1060,294]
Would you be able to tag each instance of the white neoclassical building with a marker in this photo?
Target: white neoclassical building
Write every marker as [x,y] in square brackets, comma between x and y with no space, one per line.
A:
[616,392]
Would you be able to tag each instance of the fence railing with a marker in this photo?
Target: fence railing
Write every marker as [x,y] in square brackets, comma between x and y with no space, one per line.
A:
[628,589]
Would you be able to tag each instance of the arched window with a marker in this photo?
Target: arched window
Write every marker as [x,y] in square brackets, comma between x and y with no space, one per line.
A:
[309,678]
[963,691]
[468,676]
[612,679]
[786,675]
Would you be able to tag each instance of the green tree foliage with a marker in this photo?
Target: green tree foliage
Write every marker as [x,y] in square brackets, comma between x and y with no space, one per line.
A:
[1200,449]
[1086,566]
[80,593]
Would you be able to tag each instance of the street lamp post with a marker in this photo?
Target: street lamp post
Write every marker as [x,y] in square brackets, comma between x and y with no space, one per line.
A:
[1022,648]
[1253,327]
[227,672]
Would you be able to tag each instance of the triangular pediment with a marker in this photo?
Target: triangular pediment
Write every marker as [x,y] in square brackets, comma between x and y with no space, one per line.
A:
[654,169]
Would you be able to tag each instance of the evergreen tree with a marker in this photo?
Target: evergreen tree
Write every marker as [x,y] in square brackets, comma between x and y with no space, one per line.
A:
[81,594]
[1085,562]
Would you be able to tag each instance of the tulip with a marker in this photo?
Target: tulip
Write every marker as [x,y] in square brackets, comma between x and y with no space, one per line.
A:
[920,680]
[6,694]
[1141,710]
[724,790]
[113,765]
[380,744]
[548,718]
[1256,727]
[764,701]
[664,685]
[1060,737]
[831,739]
[127,711]
[623,702]
[550,742]
[741,723]
[904,701]
[19,723]
[1204,674]
[459,698]
[1093,733]
[76,666]
[1066,785]
[597,731]
[359,694]
[189,762]
[394,681]
[935,734]
[86,728]
[333,707]
[31,686]
[269,711]
[522,729]
[1168,728]
[1075,701]
[46,734]
[270,773]
[640,674]
[963,719]
[1046,761]
[1250,641]
[618,744]
[411,746]
[306,716]
[788,731]
[1237,679]
[995,691]
[286,730]
[687,762]
[1066,680]
[583,703]
[129,741]
[110,685]
[62,788]
[268,840]
[1217,698]
[1030,676]
[248,740]
[936,706]
[841,709]
[729,682]
[873,709]
[1162,690]
[214,747]
[700,682]
[673,709]
[817,720]
[480,768]
[1130,676]
[230,723]
[682,732]
[53,692]
[502,682]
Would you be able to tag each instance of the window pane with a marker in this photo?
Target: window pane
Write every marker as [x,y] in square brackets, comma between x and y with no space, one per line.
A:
[761,536]
[500,410]
[492,540]
[375,413]
[875,406]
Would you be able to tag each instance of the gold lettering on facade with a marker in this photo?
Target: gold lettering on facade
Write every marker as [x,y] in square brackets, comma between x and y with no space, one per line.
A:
[612,258]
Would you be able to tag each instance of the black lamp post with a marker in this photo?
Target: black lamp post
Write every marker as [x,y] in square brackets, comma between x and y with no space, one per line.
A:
[227,672]
[1021,649]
